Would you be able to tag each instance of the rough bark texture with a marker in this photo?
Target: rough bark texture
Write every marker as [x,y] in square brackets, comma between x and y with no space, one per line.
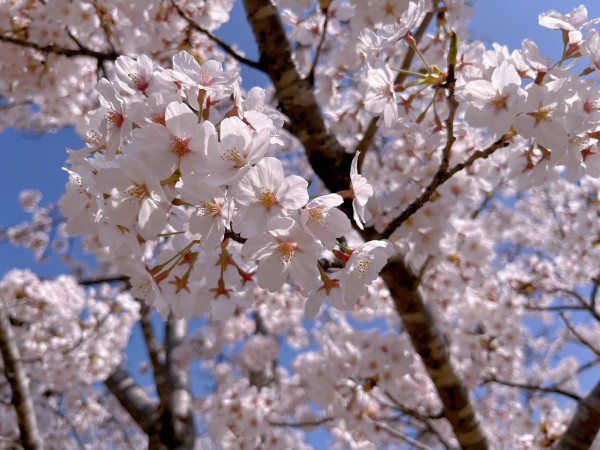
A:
[176,424]
[332,164]
[19,384]
[295,96]
[430,344]
[169,423]
[585,424]
[132,397]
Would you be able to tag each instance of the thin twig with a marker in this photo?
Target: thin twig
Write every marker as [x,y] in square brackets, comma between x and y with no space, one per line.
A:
[104,279]
[578,335]
[224,46]
[594,293]
[7,106]
[304,424]
[440,178]
[424,419]
[554,308]
[105,28]
[58,50]
[367,139]
[398,434]
[19,385]
[579,299]
[69,423]
[534,388]
[154,349]
[311,73]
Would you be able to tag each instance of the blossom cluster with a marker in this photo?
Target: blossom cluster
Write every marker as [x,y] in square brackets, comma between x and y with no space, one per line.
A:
[538,118]
[178,187]
[63,46]
[68,339]
[189,186]
[60,326]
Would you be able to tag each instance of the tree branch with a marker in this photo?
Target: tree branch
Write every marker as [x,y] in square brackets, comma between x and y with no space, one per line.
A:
[303,424]
[224,46]
[430,344]
[332,164]
[104,279]
[367,139]
[311,73]
[177,416]
[296,97]
[58,50]
[578,335]
[399,435]
[134,399]
[154,349]
[594,293]
[440,178]
[19,385]
[585,424]
[531,387]
[424,419]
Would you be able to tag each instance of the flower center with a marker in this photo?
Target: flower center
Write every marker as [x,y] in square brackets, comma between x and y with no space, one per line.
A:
[544,114]
[140,82]
[234,156]
[157,118]
[363,266]
[285,251]
[205,77]
[209,209]
[499,102]
[180,146]
[385,92]
[589,106]
[268,199]
[316,216]
[137,194]
[115,118]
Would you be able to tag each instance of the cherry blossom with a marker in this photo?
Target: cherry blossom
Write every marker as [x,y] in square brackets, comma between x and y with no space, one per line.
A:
[364,265]
[264,193]
[361,191]
[284,249]
[495,103]
[324,221]
[444,315]
[381,96]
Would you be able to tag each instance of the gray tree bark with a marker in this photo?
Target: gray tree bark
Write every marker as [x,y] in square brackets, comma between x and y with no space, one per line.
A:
[19,384]
[584,426]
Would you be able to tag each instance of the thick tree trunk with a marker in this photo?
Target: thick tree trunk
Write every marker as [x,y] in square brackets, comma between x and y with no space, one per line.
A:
[169,423]
[332,164]
[19,384]
[133,398]
[178,415]
[430,344]
[585,424]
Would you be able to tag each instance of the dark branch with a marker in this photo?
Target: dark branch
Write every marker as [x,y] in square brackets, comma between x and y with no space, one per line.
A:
[224,46]
[534,388]
[58,50]
[19,385]
[440,178]
[311,73]
[585,424]
[105,279]
[133,399]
